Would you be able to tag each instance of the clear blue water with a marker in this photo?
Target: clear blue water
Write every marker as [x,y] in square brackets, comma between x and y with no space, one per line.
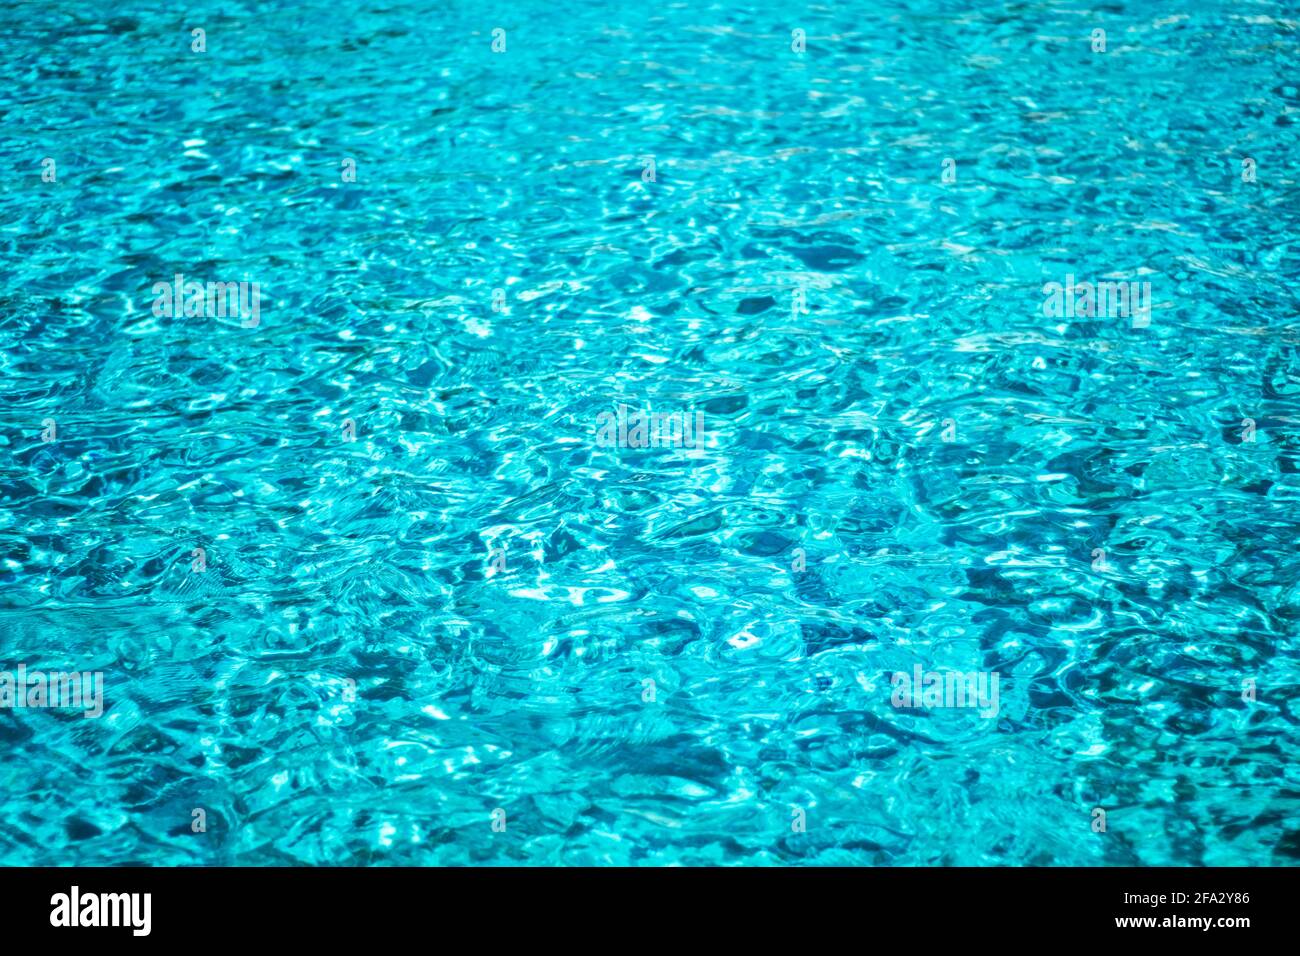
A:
[384,641]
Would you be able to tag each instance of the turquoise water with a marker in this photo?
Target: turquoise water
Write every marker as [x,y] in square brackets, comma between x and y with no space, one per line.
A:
[374,574]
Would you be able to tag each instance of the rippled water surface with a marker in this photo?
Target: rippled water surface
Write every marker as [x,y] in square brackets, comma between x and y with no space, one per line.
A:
[478,612]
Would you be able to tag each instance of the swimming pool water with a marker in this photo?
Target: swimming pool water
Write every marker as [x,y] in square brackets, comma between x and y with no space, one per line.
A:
[394,570]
